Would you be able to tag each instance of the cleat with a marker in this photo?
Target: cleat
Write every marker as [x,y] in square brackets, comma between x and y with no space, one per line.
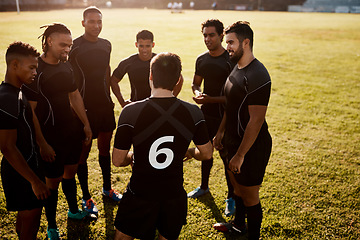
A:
[53,234]
[79,215]
[229,227]
[230,207]
[113,195]
[90,206]
[197,192]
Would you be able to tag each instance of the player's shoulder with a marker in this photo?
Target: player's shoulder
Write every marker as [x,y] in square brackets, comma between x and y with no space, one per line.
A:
[257,74]
[203,55]
[9,97]
[132,58]
[193,109]
[104,41]
[77,40]
[131,112]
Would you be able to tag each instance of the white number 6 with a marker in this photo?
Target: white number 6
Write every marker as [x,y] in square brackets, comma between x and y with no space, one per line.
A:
[154,152]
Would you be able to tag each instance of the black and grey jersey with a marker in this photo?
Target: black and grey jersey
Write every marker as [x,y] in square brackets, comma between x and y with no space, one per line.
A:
[16,113]
[50,90]
[138,72]
[160,130]
[247,86]
[90,62]
[214,71]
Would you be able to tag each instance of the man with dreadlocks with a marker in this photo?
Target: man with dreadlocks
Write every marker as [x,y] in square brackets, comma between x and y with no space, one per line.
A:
[90,58]
[54,98]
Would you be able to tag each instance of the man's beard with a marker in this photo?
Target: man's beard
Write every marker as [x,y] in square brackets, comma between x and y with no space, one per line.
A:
[237,55]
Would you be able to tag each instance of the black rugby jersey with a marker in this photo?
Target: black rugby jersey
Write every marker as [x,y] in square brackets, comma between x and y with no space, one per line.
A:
[214,71]
[90,61]
[50,90]
[160,130]
[16,113]
[248,86]
[138,72]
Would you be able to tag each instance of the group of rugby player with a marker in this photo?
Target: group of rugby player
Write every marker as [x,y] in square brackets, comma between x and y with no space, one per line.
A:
[53,105]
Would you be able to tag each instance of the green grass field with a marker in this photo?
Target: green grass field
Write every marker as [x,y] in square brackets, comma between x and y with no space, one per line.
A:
[311,188]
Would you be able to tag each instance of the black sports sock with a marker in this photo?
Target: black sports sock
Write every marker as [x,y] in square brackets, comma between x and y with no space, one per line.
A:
[69,189]
[105,166]
[83,179]
[239,212]
[50,208]
[205,173]
[254,218]
[229,185]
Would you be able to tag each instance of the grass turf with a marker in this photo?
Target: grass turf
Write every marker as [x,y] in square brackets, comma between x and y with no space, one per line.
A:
[311,188]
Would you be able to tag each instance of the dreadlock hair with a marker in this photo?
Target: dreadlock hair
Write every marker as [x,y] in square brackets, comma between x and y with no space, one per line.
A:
[50,29]
[20,49]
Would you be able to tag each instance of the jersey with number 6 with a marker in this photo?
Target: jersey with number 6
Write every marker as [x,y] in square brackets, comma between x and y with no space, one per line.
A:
[160,130]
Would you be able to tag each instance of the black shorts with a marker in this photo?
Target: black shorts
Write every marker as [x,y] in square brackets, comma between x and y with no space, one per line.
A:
[140,218]
[256,159]
[18,191]
[67,153]
[101,120]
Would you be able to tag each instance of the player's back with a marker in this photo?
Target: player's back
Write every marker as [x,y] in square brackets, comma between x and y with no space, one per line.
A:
[161,130]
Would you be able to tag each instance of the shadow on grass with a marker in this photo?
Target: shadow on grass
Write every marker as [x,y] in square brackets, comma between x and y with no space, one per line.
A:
[109,206]
[208,200]
[79,229]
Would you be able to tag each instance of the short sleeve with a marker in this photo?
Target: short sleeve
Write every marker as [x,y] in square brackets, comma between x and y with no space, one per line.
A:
[260,96]
[120,71]
[7,121]
[123,135]
[201,135]
[197,67]
[31,91]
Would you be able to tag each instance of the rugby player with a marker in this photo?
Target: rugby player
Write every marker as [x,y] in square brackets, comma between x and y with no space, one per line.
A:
[90,59]
[160,129]
[23,184]
[137,66]
[244,130]
[212,67]
[60,121]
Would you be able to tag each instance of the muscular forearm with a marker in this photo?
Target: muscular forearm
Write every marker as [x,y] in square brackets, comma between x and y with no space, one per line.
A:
[78,106]
[116,90]
[251,132]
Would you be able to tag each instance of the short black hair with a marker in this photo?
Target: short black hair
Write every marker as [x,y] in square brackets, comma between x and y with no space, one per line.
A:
[219,26]
[165,69]
[20,49]
[91,9]
[145,35]
[50,29]
[242,30]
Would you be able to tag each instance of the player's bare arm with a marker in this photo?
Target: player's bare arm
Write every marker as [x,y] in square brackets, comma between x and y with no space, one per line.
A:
[257,116]
[114,83]
[8,148]
[200,152]
[108,78]
[77,104]
[122,158]
[220,134]
[196,85]
[46,151]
